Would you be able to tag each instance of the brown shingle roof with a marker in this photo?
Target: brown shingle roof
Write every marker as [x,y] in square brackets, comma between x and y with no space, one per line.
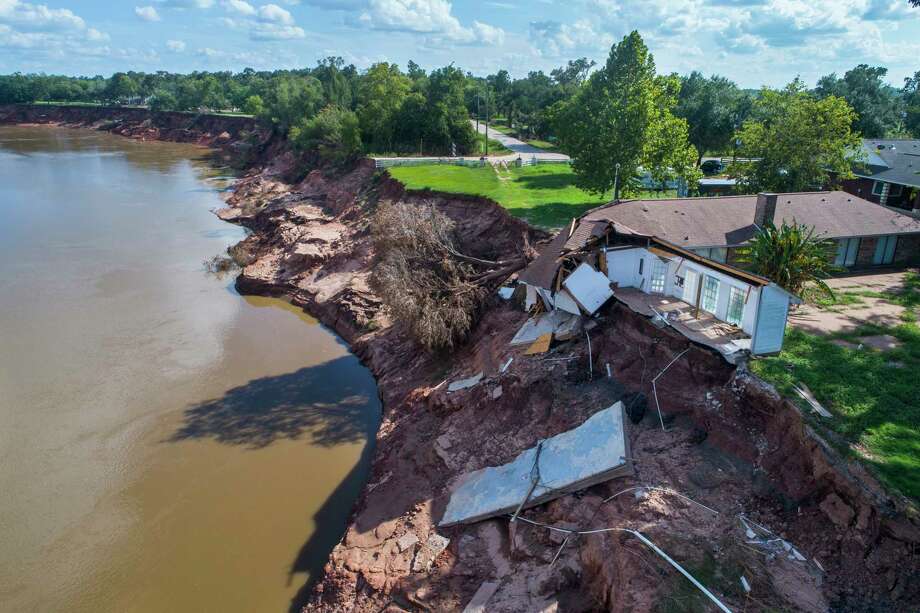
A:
[542,271]
[729,220]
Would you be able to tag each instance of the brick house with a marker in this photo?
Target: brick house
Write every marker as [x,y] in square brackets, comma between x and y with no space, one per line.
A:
[867,235]
[889,174]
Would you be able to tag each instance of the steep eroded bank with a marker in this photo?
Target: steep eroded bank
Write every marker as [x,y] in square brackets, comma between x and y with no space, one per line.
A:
[731,443]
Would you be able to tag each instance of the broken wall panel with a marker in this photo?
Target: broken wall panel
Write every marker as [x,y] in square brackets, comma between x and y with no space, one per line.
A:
[589,288]
[592,453]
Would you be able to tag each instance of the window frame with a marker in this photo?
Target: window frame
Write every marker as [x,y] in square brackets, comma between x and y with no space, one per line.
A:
[879,186]
[885,248]
[659,273]
[704,299]
[735,292]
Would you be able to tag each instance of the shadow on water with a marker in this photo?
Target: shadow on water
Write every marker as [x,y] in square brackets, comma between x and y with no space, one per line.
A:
[332,403]
[330,522]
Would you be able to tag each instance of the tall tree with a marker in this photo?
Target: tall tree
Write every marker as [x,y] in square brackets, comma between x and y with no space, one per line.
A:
[710,107]
[623,118]
[794,141]
[292,98]
[877,104]
[911,97]
[382,91]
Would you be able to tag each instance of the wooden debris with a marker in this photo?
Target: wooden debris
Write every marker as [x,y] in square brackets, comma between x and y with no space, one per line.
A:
[541,345]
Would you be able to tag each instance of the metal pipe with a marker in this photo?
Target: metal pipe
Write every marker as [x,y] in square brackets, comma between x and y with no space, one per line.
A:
[655,387]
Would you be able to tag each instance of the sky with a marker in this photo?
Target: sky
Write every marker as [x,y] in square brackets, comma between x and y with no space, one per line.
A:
[753,42]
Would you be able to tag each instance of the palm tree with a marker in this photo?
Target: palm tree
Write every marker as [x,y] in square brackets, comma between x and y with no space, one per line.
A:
[791,256]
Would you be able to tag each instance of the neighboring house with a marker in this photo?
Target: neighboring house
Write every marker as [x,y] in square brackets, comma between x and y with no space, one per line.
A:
[889,173]
[866,234]
[723,307]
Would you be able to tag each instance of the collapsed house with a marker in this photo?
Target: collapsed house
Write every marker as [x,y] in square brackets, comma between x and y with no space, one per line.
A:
[723,307]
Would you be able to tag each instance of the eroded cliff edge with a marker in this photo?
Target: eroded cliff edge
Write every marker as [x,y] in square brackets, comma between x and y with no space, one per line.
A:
[731,443]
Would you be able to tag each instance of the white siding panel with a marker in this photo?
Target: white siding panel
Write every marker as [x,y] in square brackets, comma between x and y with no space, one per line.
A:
[771,321]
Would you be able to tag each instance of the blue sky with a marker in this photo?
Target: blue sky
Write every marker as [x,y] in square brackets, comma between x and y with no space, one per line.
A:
[754,42]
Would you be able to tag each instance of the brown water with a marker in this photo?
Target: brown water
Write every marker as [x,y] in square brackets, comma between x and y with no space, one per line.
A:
[165,444]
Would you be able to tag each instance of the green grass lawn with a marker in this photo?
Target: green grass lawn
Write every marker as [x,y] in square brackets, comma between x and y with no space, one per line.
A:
[495,147]
[542,144]
[873,394]
[544,195]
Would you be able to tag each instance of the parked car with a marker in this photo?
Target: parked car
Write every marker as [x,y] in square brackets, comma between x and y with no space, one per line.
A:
[712,167]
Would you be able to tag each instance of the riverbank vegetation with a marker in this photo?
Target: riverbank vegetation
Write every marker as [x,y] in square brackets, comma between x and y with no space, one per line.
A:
[413,111]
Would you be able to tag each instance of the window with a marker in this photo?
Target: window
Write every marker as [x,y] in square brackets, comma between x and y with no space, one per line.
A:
[877,188]
[884,250]
[847,248]
[716,254]
[710,294]
[895,190]
[659,272]
[735,306]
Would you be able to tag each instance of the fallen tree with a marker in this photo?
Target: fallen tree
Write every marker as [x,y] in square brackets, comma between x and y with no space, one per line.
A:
[423,278]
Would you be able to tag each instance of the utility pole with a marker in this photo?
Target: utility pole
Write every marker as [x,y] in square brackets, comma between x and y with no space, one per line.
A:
[478,112]
[487,125]
[616,183]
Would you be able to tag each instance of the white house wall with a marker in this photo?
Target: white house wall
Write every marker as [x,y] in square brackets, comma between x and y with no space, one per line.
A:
[623,268]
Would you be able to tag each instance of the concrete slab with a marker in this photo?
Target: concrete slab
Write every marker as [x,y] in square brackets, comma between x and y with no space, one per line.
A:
[462,384]
[592,453]
[478,603]
[881,342]
[535,327]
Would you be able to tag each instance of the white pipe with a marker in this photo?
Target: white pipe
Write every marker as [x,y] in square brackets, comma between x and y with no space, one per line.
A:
[655,387]
[680,569]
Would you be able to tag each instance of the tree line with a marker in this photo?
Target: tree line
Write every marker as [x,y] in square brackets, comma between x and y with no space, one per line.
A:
[618,120]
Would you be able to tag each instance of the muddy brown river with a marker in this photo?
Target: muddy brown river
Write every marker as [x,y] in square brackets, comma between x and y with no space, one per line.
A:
[165,443]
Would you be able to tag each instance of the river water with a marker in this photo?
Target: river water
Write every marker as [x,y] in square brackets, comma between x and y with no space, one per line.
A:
[165,443]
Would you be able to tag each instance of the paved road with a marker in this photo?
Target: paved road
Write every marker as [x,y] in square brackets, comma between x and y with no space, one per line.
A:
[520,148]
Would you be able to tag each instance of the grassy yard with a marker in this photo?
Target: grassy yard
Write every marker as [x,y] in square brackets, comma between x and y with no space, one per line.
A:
[542,144]
[871,393]
[544,195]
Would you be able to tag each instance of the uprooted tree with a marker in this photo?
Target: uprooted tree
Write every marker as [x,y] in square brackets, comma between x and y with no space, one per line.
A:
[423,278]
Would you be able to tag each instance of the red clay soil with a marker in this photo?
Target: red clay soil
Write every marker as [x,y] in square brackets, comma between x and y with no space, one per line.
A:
[141,124]
[731,444]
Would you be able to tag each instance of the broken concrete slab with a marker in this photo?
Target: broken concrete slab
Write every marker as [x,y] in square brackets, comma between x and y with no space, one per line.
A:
[427,554]
[590,288]
[535,327]
[477,604]
[569,329]
[592,453]
[881,342]
[462,384]
[406,541]
[565,302]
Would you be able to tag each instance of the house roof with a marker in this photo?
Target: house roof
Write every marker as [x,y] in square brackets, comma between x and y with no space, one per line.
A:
[542,271]
[729,220]
[890,160]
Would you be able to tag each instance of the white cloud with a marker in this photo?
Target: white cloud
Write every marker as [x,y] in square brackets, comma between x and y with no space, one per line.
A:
[554,39]
[187,4]
[431,17]
[176,46]
[272,13]
[147,13]
[38,17]
[240,7]
[275,31]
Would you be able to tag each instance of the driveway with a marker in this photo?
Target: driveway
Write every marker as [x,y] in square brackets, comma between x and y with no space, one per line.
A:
[519,147]
[869,309]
